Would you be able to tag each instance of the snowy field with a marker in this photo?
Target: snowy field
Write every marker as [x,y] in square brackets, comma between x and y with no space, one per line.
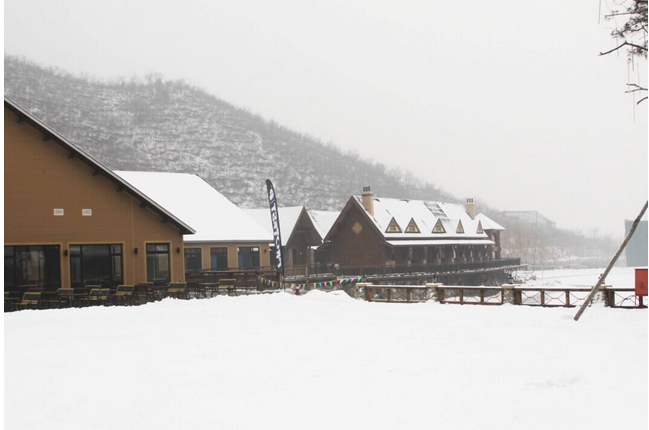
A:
[324,361]
[621,277]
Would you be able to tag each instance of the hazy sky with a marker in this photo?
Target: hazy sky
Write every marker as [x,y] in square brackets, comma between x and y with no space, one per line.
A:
[507,102]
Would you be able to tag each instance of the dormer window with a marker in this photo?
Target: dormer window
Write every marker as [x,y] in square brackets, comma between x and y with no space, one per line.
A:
[393,227]
[479,230]
[412,227]
[460,227]
[439,227]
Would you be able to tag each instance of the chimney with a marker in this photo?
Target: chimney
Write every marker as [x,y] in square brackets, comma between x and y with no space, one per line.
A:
[469,207]
[368,200]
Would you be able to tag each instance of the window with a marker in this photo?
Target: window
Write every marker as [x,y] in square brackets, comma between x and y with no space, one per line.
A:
[439,227]
[460,227]
[412,227]
[219,258]
[157,262]
[479,230]
[393,227]
[96,265]
[37,265]
[249,257]
[357,227]
[436,210]
[193,259]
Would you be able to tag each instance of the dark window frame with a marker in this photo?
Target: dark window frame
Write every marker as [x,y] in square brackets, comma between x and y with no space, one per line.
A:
[157,252]
[188,252]
[48,266]
[252,253]
[223,255]
[115,279]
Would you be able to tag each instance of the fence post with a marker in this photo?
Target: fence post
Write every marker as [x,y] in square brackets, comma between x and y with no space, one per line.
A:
[509,294]
[433,292]
[368,290]
[608,296]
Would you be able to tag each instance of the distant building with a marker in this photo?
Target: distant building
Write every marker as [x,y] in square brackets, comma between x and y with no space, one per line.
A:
[534,218]
[636,249]
[302,233]
[299,235]
[373,231]
[70,221]
[226,238]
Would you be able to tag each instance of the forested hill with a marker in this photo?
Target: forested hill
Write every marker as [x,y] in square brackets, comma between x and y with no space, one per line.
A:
[154,124]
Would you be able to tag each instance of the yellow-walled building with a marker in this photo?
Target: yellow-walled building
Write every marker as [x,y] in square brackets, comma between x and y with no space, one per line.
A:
[226,238]
[70,221]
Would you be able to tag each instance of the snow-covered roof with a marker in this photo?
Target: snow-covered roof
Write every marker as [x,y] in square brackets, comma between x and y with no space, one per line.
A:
[288,217]
[214,217]
[425,215]
[440,242]
[488,223]
[323,220]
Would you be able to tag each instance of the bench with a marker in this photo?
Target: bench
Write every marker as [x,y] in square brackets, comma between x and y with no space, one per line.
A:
[178,290]
[30,300]
[124,294]
[227,285]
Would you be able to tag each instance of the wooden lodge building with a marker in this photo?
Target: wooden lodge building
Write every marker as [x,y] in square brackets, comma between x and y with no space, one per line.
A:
[70,221]
[375,232]
[226,238]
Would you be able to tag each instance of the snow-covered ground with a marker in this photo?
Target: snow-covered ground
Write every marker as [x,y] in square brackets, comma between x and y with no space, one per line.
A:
[622,277]
[324,361]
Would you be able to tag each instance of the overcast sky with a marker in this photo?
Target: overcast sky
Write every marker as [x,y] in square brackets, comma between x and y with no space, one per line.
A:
[507,102]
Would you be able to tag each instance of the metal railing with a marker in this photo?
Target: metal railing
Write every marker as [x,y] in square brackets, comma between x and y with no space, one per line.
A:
[414,268]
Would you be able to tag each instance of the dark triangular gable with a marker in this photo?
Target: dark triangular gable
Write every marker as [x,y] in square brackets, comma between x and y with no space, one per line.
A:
[460,227]
[479,230]
[412,227]
[393,227]
[351,204]
[439,227]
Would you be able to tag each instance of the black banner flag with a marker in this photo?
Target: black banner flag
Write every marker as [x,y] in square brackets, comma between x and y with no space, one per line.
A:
[274,218]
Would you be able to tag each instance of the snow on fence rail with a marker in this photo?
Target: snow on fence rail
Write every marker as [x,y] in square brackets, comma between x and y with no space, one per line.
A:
[497,295]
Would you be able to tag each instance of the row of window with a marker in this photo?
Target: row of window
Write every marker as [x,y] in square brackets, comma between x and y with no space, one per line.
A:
[412,227]
[39,265]
[248,258]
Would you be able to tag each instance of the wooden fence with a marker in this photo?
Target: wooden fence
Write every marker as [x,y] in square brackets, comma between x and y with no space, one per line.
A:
[497,295]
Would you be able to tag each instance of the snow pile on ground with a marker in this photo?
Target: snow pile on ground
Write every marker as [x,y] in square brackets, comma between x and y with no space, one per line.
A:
[324,361]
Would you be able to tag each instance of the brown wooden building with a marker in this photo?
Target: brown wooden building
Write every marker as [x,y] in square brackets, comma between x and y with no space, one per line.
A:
[372,232]
[71,221]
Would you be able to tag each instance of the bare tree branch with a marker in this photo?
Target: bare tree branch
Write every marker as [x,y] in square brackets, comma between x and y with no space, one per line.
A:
[614,49]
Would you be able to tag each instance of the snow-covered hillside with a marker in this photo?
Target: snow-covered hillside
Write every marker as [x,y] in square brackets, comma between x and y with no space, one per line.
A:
[324,361]
[158,125]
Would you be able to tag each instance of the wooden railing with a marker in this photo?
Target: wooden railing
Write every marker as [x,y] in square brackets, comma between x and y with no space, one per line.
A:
[497,295]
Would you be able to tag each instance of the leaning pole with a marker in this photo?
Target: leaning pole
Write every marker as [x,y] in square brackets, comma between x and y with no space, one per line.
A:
[595,290]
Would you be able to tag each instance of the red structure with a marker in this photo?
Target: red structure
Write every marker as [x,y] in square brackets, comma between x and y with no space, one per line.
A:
[641,282]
